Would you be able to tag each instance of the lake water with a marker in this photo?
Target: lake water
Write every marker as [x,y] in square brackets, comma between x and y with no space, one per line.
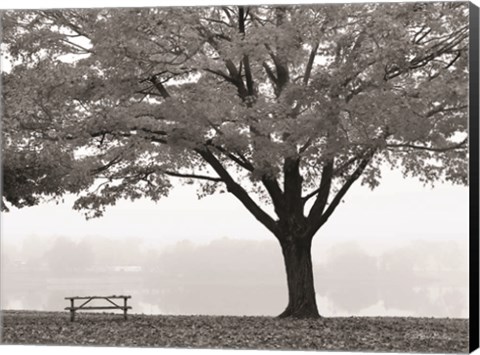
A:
[247,296]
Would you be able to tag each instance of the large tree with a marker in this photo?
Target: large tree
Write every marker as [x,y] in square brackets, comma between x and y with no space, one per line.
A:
[283,107]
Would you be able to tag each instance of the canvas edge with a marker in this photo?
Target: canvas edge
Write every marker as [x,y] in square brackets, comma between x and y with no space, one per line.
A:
[474,157]
[474,177]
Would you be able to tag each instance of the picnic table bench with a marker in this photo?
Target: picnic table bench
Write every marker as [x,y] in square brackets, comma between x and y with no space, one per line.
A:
[88,299]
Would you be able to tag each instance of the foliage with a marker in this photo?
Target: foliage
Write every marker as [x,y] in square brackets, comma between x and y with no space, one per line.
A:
[242,99]
[342,334]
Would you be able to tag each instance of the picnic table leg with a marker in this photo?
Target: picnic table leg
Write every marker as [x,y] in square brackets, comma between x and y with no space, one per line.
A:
[72,311]
[125,308]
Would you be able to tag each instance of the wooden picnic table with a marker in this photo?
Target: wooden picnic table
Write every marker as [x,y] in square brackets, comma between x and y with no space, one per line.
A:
[88,299]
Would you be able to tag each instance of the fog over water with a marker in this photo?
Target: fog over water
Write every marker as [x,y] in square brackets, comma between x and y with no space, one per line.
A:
[237,277]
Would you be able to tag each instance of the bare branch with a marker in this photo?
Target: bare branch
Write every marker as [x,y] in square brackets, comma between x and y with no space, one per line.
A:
[242,161]
[159,86]
[311,59]
[191,176]
[318,221]
[106,166]
[270,73]
[223,75]
[323,191]
[238,191]
[431,149]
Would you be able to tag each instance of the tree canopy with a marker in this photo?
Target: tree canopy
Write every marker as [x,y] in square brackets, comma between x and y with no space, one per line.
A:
[136,96]
[286,106]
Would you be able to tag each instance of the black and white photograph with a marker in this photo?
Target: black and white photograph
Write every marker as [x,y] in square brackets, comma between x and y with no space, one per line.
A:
[234,175]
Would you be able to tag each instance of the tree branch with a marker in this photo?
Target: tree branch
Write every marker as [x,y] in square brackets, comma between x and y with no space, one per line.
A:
[431,149]
[191,176]
[317,221]
[248,76]
[270,74]
[276,194]
[238,191]
[339,169]
[159,86]
[323,191]
[223,75]
[436,50]
[106,166]
[311,59]
[79,47]
[238,82]
[246,61]
[270,184]
[241,161]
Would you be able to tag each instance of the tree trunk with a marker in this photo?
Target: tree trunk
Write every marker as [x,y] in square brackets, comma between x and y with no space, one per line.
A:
[301,291]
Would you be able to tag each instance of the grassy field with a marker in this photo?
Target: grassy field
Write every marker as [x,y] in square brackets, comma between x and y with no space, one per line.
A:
[347,334]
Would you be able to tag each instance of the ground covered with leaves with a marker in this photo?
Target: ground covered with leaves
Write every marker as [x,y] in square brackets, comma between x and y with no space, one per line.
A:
[341,333]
